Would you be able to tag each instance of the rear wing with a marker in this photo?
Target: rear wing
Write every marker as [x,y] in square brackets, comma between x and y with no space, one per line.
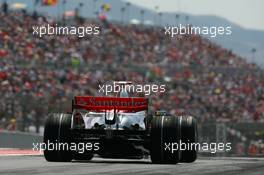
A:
[101,104]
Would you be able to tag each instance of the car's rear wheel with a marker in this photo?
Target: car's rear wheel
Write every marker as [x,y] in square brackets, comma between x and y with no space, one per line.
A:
[189,136]
[85,157]
[57,138]
[165,131]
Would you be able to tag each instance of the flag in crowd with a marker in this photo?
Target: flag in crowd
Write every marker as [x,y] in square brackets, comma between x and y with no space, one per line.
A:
[69,13]
[49,2]
[106,7]
[18,6]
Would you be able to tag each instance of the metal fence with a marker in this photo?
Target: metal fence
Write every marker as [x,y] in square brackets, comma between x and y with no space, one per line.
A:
[246,139]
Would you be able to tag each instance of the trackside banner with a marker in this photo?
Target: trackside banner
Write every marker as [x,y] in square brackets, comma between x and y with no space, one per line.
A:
[110,103]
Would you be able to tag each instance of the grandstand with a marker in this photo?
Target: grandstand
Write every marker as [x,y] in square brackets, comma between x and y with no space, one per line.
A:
[41,75]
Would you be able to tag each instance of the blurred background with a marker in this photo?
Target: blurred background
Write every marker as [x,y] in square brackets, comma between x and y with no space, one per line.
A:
[220,81]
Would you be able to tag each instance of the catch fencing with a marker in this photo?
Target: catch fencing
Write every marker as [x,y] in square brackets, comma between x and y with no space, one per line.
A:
[247,139]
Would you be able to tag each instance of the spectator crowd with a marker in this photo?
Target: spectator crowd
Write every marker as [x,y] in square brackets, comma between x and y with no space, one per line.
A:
[41,75]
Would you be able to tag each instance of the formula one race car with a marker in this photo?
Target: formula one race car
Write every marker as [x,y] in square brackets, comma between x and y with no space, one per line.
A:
[118,127]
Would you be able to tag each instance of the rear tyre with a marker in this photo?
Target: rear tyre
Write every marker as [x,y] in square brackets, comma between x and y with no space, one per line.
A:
[188,136]
[165,130]
[85,157]
[57,131]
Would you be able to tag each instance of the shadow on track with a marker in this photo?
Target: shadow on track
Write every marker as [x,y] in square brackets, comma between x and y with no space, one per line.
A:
[114,161]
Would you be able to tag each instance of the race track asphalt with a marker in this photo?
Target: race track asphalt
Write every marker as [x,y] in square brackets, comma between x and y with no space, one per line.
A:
[37,165]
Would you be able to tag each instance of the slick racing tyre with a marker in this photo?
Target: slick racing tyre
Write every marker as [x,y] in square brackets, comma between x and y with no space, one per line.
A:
[84,157]
[57,131]
[165,131]
[188,136]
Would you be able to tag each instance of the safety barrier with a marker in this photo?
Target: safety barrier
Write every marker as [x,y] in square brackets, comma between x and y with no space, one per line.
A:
[18,139]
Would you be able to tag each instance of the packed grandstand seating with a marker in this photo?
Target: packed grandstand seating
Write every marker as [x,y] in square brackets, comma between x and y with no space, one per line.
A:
[41,75]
